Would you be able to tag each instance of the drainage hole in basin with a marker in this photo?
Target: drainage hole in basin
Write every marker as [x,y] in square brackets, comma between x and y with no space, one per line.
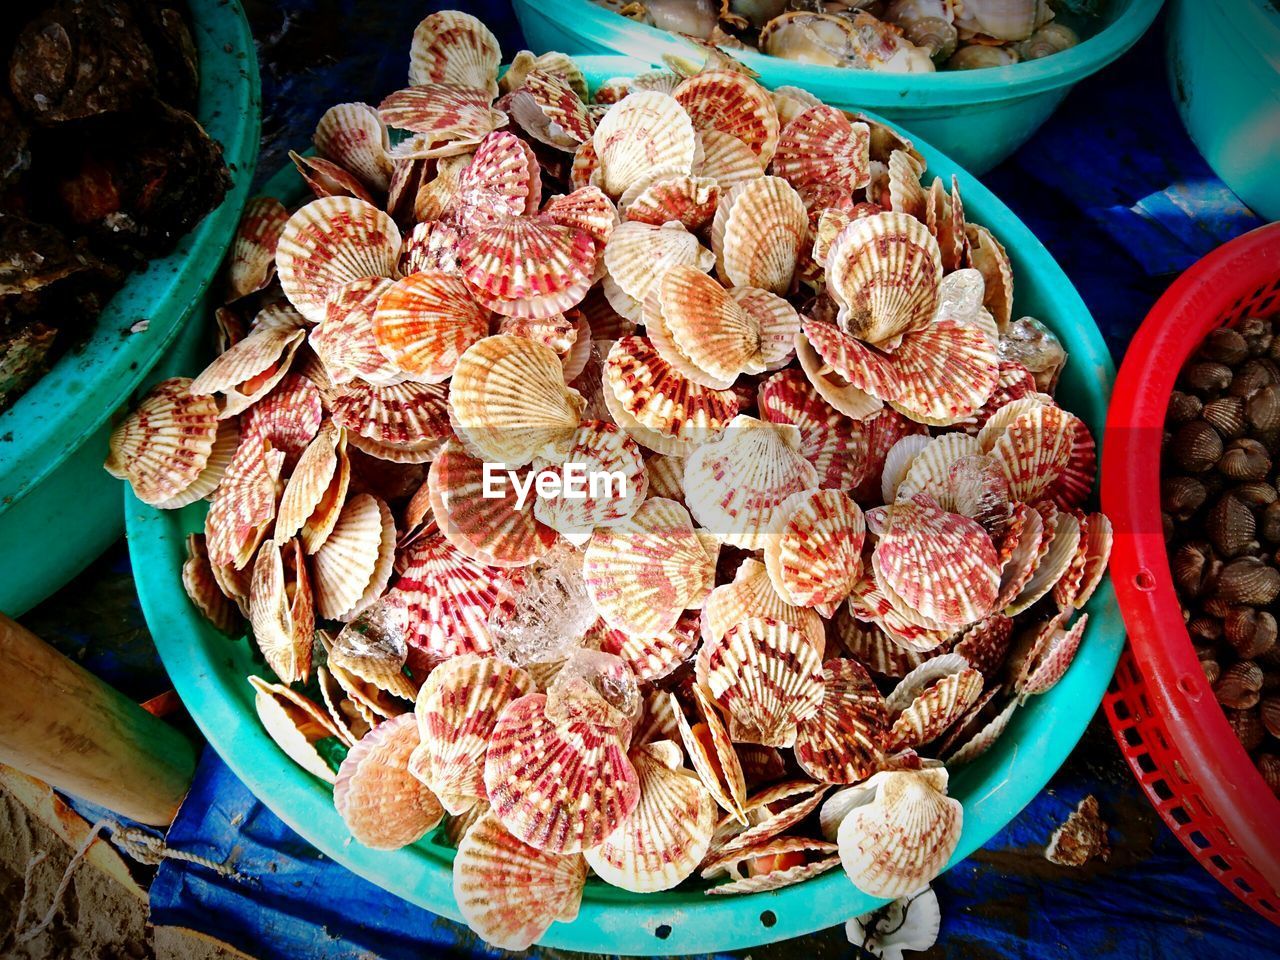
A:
[662,932]
[1144,580]
[1188,686]
[768,918]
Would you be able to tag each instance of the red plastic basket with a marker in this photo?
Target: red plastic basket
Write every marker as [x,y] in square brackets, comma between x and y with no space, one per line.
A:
[1161,708]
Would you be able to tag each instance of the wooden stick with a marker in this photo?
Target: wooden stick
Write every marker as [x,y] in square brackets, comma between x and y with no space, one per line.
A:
[62,724]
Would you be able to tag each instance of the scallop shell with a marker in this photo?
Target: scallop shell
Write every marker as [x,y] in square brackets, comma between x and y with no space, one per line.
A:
[423,323]
[353,136]
[822,146]
[557,64]
[883,430]
[654,657]
[650,392]
[758,233]
[726,160]
[490,530]
[756,869]
[871,601]
[941,564]
[548,109]
[831,385]
[164,446]
[979,741]
[639,255]
[606,464]
[295,724]
[732,103]
[281,611]
[771,811]
[1096,548]
[561,787]
[751,595]
[985,645]
[935,709]
[587,209]
[251,264]
[1052,651]
[244,506]
[351,726]
[1075,483]
[1020,552]
[833,443]
[844,742]
[510,402]
[853,361]
[316,491]
[735,486]
[906,195]
[644,134]
[900,459]
[989,258]
[353,565]
[203,590]
[700,329]
[768,677]
[884,272]
[345,340]
[287,418]
[330,242]
[406,422]
[1034,450]
[509,892]
[688,200]
[667,835]
[457,710]
[247,371]
[528,266]
[328,179]
[370,702]
[558,331]
[382,804]
[642,573]
[1000,419]
[712,755]
[1063,538]
[454,47]
[929,469]
[815,554]
[502,179]
[440,113]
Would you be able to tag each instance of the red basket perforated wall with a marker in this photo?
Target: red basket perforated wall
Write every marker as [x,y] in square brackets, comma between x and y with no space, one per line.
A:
[1161,708]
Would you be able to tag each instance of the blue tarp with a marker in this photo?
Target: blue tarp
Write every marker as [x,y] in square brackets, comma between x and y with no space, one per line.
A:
[1119,195]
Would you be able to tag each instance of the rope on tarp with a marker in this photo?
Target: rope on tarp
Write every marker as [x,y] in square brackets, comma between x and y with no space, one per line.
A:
[144,847]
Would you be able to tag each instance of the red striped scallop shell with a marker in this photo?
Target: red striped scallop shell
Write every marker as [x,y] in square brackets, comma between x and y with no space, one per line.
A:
[644,134]
[439,112]
[562,787]
[768,677]
[528,266]
[871,601]
[758,233]
[330,242]
[203,590]
[247,371]
[654,657]
[423,323]
[844,742]
[607,464]
[251,264]
[587,209]
[287,418]
[639,255]
[661,400]
[987,255]
[490,530]
[701,329]
[686,199]
[830,384]
[353,565]
[450,599]
[941,564]
[945,372]
[735,486]
[383,805]
[345,339]
[509,892]
[316,490]
[906,194]
[407,422]
[883,430]
[833,443]
[1096,548]
[503,179]
[822,146]
[1020,552]
[726,159]
[712,755]
[884,272]
[328,179]
[164,445]
[758,869]
[1075,483]
[1013,382]
[985,645]
[772,811]
[751,595]
[935,709]
[868,644]
[353,136]
[549,110]
[815,555]
[1053,649]
[457,710]
[732,103]
[244,505]
[454,47]
[643,573]
[667,835]
[281,610]
[1034,451]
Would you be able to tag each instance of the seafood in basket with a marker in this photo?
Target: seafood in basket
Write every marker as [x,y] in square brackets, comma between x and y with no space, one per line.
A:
[650,482]
[887,36]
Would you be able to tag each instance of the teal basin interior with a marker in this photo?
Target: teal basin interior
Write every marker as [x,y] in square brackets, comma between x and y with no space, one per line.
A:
[976,117]
[58,508]
[209,670]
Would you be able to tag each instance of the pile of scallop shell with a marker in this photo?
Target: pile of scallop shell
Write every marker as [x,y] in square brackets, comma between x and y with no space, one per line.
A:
[887,36]
[847,542]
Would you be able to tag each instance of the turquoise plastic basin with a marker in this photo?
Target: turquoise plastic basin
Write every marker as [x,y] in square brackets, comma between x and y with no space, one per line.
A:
[977,117]
[1224,70]
[208,671]
[58,508]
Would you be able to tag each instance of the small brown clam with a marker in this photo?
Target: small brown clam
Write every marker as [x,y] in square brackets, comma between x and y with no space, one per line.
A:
[1270,713]
[1182,496]
[1183,407]
[1245,459]
[1240,686]
[1262,410]
[1212,670]
[1249,580]
[1206,630]
[1247,726]
[1256,494]
[1269,767]
[1207,376]
[1225,345]
[1250,632]
[1194,568]
[1255,375]
[1227,416]
[1196,446]
[1231,526]
[1269,526]
[1257,335]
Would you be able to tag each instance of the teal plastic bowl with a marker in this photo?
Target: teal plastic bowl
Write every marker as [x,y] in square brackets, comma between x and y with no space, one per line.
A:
[58,508]
[209,673]
[977,117]
[1224,70]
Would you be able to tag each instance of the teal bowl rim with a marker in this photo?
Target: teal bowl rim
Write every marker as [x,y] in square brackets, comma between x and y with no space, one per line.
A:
[207,669]
[590,22]
[88,383]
